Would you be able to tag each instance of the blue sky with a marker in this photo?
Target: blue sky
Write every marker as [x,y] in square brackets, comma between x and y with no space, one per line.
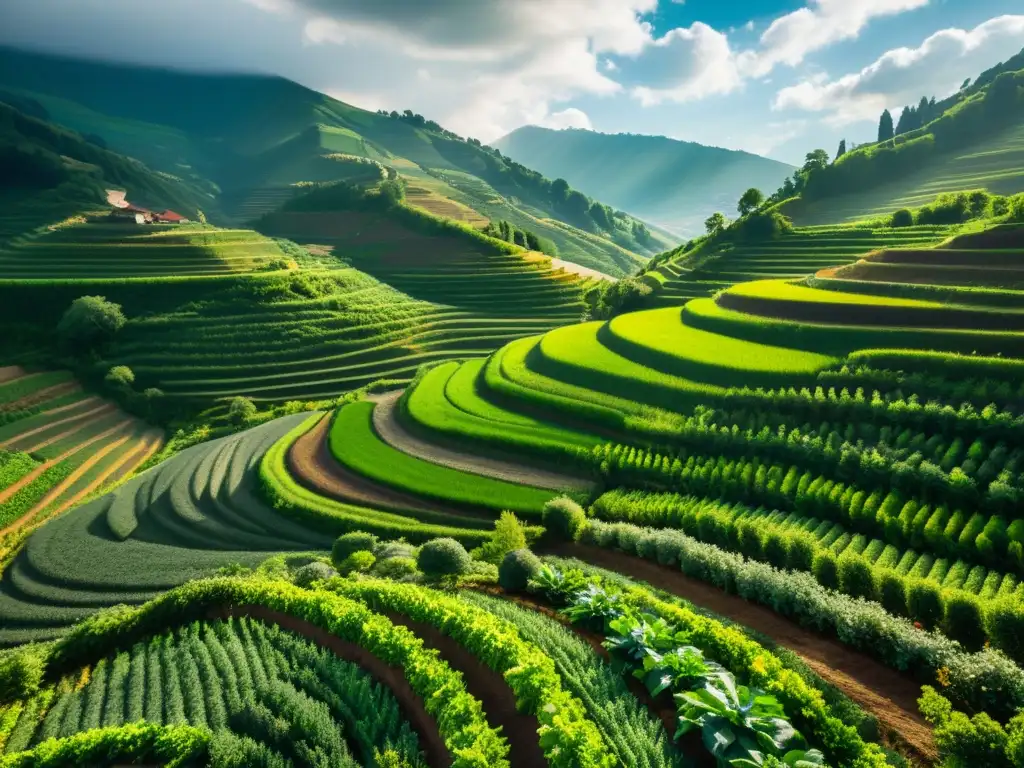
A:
[776,77]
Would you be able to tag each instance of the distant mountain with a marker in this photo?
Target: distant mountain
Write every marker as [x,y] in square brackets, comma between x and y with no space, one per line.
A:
[674,184]
[251,138]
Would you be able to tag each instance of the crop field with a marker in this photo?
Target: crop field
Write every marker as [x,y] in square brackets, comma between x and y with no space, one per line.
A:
[802,252]
[438,205]
[994,164]
[101,249]
[59,445]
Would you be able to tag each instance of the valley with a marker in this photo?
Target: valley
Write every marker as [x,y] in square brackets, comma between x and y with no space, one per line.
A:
[329,437]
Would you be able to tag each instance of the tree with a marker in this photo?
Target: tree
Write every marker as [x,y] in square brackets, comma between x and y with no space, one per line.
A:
[815,160]
[559,189]
[750,201]
[966,84]
[885,127]
[241,410]
[120,376]
[90,320]
[715,223]
[842,149]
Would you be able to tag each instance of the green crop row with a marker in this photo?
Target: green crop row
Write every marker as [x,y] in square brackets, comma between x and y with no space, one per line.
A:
[13,391]
[25,498]
[984,680]
[136,744]
[567,737]
[13,467]
[460,718]
[335,517]
[355,444]
[730,647]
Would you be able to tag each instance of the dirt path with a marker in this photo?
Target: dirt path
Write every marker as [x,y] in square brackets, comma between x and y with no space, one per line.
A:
[888,695]
[311,464]
[101,409]
[388,428]
[490,688]
[579,269]
[42,395]
[409,701]
[11,372]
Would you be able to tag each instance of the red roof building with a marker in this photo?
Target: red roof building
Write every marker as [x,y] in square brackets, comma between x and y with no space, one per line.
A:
[170,217]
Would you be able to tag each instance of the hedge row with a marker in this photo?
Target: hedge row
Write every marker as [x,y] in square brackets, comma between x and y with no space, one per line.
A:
[172,746]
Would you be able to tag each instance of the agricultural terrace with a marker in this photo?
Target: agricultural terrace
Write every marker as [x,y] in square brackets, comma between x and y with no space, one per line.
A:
[97,248]
[800,252]
[58,446]
[994,164]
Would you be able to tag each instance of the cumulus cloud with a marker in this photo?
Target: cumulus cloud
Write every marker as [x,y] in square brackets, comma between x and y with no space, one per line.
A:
[901,76]
[695,62]
[567,118]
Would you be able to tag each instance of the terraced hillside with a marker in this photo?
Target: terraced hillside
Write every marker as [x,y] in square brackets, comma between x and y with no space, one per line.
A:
[58,446]
[995,164]
[797,253]
[96,248]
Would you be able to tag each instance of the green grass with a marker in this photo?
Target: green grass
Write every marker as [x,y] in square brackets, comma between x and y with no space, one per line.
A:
[354,444]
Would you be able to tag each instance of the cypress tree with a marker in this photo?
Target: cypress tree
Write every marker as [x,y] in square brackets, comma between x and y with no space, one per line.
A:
[885,127]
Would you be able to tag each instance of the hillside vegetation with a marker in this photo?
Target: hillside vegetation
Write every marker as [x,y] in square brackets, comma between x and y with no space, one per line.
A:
[675,184]
[218,137]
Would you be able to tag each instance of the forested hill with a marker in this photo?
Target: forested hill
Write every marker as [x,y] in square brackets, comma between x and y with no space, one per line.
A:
[254,137]
[675,184]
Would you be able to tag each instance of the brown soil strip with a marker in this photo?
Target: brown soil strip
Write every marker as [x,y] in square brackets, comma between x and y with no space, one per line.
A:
[11,372]
[490,688]
[31,476]
[890,696]
[388,428]
[411,704]
[102,410]
[42,395]
[77,404]
[313,467]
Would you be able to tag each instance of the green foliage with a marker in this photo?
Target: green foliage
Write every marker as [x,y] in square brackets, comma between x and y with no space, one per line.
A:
[350,543]
[443,557]
[509,535]
[715,223]
[21,672]
[967,741]
[90,320]
[357,562]
[564,518]
[517,568]
[172,746]
[241,410]
[395,568]
[608,299]
[855,577]
[120,376]
[750,201]
[312,572]
[964,619]
[902,218]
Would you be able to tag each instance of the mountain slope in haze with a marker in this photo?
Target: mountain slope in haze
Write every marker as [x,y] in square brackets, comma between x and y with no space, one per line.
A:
[675,184]
[253,137]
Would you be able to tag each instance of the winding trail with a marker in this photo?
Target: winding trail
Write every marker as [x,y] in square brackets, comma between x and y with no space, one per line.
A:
[312,466]
[391,431]
[889,695]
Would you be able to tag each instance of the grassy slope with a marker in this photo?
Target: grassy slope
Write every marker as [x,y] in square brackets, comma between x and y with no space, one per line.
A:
[673,183]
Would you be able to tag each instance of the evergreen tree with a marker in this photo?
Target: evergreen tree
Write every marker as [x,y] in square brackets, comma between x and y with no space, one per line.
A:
[842,149]
[885,127]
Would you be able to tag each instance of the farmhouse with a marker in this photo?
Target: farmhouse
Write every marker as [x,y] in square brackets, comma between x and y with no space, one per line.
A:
[170,217]
[133,214]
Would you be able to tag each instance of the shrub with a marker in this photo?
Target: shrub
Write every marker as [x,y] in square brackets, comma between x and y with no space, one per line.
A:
[800,556]
[776,549]
[241,410]
[902,218]
[120,376]
[356,541]
[509,535]
[357,562]
[964,620]
[825,570]
[517,569]
[395,568]
[317,571]
[855,577]
[21,671]
[564,518]
[891,591]
[443,557]
[1004,621]
[90,320]
[924,602]
[964,740]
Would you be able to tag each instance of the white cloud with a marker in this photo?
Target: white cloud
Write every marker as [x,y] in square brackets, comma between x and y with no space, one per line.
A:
[609,65]
[901,76]
[567,118]
[700,63]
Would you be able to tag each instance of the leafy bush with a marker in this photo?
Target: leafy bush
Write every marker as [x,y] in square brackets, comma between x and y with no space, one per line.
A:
[241,410]
[357,562]
[120,376]
[826,570]
[347,544]
[564,518]
[90,320]
[963,620]
[317,571]
[172,746]
[443,557]
[962,740]
[924,602]
[902,218]
[395,568]
[509,535]
[891,590]
[855,576]
[21,671]
[517,568]
[1004,621]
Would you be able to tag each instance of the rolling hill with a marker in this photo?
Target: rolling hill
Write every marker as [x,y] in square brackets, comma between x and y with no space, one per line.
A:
[248,139]
[675,184]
